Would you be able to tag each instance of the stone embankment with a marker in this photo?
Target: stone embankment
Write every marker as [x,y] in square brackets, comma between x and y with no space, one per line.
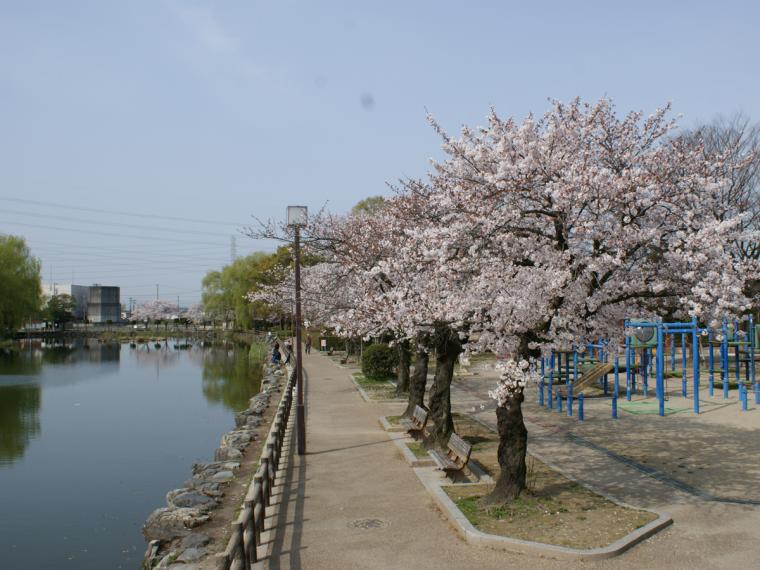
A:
[176,532]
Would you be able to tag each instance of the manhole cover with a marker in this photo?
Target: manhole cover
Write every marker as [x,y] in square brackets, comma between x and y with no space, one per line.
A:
[367,523]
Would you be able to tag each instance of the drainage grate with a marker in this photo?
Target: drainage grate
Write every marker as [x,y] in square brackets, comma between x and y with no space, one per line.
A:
[368,524]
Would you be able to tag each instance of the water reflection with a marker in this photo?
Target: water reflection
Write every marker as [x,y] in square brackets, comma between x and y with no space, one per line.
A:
[149,355]
[20,364]
[115,438]
[21,383]
[230,375]
[69,352]
[19,420]
[101,352]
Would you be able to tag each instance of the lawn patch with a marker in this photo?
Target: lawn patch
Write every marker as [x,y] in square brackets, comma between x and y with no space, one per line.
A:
[376,389]
[418,450]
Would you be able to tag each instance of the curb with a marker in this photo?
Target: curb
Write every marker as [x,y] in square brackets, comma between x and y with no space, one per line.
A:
[385,424]
[474,536]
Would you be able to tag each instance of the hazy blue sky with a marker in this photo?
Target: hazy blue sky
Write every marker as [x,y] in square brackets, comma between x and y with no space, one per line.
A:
[219,111]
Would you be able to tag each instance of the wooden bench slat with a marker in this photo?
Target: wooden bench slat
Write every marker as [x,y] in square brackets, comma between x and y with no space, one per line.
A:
[459,446]
[442,460]
[456,455]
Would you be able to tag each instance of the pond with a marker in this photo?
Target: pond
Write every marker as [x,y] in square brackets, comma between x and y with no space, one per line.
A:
[93,435]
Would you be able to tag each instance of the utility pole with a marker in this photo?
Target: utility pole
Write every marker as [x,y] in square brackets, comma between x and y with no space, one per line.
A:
[156,291]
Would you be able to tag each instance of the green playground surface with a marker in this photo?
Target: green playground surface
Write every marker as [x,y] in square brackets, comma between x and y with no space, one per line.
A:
[644,407]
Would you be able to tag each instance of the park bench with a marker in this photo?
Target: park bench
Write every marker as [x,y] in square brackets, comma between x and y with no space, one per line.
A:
[456,455]
[415,424]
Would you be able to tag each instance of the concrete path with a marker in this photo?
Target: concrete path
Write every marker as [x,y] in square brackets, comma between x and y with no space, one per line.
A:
[352,501]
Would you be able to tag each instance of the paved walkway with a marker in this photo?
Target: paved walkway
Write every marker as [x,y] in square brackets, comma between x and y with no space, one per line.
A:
[352,501]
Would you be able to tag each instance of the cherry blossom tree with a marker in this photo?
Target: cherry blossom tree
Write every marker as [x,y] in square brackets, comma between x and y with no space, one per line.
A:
[195,314]
[156,310]
[399,293]
[737,137]
[569,223]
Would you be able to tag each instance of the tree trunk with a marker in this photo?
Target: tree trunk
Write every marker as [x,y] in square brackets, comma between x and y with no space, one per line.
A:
[448,349]
[513,446]
[404,360]
[417,382]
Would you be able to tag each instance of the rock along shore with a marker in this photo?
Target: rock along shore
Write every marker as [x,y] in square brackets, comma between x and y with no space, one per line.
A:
[175,532]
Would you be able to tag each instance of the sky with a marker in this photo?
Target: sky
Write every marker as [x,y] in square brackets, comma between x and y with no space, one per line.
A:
[137,138]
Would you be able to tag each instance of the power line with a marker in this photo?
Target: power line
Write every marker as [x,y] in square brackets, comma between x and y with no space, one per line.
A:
[108,223]
[85,266]
[118,258]
[119,213]
[111,248]
[136,268]
[152,238]
[155,248]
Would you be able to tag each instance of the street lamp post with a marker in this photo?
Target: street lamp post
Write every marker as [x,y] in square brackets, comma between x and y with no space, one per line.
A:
[297,216]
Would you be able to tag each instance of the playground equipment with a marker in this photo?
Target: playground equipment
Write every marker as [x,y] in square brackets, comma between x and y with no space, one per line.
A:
[744,345]
[642,331]
[567,374]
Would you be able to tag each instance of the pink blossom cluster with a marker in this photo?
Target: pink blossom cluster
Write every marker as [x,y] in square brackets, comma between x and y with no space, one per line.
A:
[156,310]
[514,378]
[194,313]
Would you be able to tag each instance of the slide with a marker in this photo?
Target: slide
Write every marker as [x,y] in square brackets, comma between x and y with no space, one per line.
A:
[589,378]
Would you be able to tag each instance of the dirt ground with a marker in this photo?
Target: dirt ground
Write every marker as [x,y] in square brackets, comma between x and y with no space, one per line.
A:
[553,510]
[556,511]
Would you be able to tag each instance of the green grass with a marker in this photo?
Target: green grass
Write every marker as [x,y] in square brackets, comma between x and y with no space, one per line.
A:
[393,420]
[376,389]
[523,506]
[365,382]
[418,449]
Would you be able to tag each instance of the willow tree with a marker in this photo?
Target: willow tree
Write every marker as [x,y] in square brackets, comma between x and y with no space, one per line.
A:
[20,289]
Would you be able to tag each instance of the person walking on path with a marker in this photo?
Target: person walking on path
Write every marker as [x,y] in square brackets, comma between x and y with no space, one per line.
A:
[276,353]
[308,343]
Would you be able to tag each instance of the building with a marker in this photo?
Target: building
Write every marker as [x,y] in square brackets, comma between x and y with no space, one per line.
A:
[104,304]
[80,294]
